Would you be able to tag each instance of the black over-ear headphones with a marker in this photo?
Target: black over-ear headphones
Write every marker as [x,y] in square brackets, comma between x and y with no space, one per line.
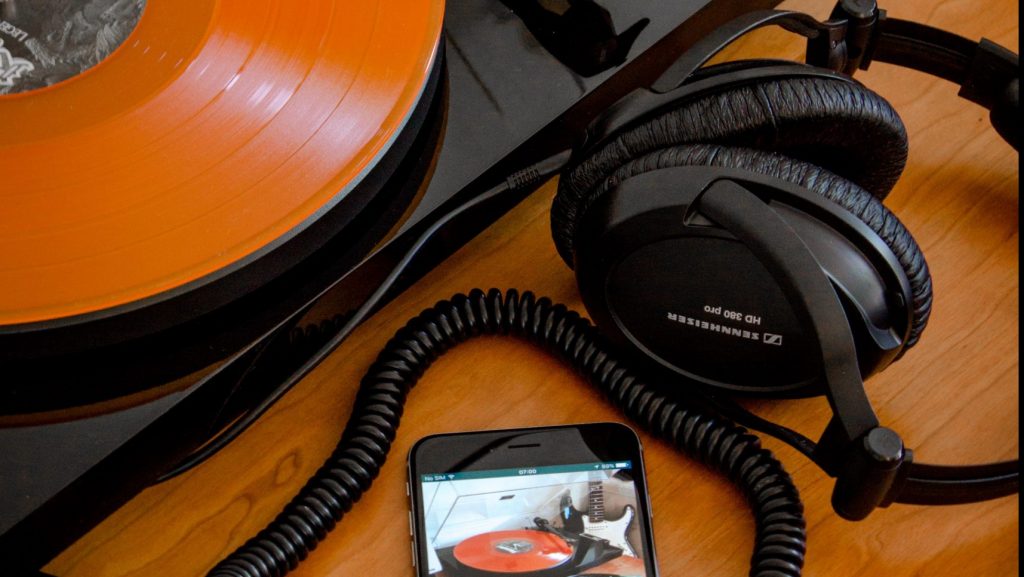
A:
[727,224]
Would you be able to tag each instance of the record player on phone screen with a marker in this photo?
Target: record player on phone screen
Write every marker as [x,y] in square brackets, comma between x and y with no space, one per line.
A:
[488,527]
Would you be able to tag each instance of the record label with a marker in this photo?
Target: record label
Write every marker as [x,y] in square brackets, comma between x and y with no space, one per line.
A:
[43,42]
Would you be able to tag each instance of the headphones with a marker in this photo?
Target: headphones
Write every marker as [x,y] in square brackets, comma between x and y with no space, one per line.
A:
[726,225]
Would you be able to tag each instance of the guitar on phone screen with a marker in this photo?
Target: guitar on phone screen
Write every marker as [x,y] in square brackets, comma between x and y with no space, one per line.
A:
[594,522]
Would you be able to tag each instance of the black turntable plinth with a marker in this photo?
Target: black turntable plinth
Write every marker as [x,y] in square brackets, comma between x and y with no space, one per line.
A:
[99,396]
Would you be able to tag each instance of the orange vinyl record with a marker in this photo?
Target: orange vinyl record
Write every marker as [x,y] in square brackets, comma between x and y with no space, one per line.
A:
[207,134]
[513,551]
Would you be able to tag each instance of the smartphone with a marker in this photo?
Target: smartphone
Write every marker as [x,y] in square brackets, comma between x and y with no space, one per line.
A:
[545,502]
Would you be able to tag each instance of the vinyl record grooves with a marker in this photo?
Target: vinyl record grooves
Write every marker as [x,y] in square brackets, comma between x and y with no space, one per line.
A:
[524,551]
[193,157]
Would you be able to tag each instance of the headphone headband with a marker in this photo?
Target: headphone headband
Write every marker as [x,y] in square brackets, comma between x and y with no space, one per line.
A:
[859,33]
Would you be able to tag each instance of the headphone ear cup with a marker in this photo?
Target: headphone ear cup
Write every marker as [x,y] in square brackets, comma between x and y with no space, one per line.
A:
[853,198]
[830,122]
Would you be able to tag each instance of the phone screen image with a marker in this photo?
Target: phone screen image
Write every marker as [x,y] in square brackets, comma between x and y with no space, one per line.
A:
[543,520]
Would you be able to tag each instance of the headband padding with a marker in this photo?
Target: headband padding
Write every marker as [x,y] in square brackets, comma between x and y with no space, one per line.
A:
[846,194]
[837,124]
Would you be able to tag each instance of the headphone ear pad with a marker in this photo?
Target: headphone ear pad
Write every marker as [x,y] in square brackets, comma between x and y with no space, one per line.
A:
[845,193]
[831,122]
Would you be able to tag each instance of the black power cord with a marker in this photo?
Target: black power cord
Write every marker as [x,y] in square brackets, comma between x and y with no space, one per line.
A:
[780,540]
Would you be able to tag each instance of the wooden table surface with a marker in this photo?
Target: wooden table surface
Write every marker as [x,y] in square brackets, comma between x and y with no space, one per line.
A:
[954,398]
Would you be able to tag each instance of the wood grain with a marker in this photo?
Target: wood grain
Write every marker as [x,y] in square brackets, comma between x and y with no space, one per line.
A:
[954,398]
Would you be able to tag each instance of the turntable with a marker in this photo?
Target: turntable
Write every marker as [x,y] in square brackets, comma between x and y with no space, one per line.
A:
[541,552]
[182,188]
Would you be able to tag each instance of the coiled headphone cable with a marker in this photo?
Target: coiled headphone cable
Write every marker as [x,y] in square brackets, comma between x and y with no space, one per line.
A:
[780,540]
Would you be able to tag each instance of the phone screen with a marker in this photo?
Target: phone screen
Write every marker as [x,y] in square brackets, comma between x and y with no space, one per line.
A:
[550,502]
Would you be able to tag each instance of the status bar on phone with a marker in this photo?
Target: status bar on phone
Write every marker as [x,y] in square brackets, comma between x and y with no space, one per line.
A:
[526,471]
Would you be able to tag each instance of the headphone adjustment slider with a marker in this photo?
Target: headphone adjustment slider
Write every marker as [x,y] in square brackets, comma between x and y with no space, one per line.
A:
[847,43]
[871,470]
